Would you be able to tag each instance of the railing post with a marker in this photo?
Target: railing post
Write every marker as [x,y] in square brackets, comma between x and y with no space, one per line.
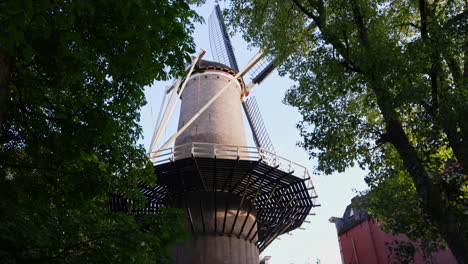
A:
[238,155]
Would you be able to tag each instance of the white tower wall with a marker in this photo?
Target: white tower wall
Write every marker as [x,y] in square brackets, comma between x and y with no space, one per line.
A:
[222,122]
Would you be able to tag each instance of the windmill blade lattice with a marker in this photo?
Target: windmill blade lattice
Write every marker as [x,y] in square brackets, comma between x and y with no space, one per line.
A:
[222,51]
[220,43]
[255,120]
[262,69]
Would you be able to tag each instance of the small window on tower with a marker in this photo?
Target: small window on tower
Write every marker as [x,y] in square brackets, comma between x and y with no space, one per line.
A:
[351,212]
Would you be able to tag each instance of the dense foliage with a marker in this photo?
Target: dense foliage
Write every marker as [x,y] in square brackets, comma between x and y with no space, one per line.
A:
[71,85]
[382,85]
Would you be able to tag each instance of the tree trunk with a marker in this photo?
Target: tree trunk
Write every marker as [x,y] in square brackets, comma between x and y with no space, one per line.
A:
[5,69]
[430,194]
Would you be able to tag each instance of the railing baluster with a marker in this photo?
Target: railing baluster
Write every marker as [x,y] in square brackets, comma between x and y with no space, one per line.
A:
[223,150]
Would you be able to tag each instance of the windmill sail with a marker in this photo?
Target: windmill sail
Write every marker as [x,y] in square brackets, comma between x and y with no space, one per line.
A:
[260,134]
[220,43]
[222,51]
[265,72]
[262,70]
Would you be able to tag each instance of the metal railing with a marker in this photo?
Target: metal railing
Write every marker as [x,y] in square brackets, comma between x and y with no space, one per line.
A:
[220,151]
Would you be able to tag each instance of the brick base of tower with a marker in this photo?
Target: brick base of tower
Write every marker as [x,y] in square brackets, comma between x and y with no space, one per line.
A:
[216,249]
[223,229]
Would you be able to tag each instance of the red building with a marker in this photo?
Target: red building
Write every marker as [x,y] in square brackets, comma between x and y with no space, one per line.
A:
[361,241]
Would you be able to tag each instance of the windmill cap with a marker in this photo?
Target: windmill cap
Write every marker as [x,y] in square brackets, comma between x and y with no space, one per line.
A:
[209,64]
[216,66]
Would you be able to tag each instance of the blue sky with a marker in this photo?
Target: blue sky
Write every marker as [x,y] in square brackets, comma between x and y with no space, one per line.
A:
[319,239]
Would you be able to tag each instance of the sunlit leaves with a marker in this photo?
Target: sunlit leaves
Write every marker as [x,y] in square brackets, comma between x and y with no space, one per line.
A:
[362,64]
[70,137]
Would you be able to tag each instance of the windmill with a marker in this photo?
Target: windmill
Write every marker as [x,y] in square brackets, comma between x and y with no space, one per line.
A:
[236,198]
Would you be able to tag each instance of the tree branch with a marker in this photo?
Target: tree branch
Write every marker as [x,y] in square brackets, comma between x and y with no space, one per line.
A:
[444,113]
[320,21]
[307,12]
[44,116]
[455,70]
[423,14]
[361,25]
[407,24]
[5,70]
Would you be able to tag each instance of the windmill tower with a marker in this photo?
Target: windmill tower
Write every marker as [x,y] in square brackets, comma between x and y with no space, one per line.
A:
[236,198]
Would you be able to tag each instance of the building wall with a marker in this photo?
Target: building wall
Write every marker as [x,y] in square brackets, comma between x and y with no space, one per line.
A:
[358,246]
[369,246]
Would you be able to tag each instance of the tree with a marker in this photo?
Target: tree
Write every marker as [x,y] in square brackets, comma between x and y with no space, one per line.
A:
[381,84]
[71,85]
